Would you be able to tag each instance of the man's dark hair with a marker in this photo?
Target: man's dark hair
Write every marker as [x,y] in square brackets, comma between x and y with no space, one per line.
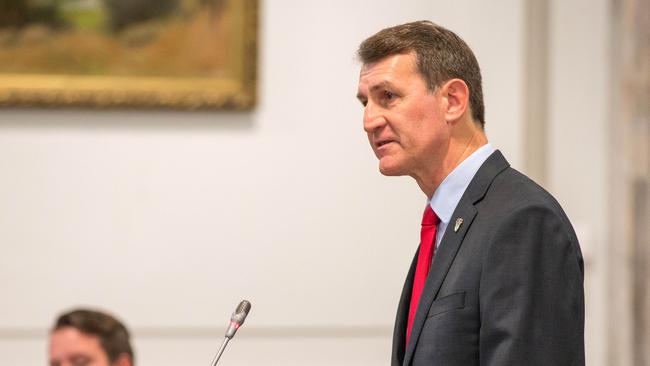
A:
[441,56]
[113,336]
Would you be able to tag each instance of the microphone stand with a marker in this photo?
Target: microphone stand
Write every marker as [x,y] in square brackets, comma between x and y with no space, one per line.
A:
[218,355]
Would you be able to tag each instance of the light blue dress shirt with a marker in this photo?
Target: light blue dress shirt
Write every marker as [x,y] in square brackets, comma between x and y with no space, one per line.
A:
[448,194]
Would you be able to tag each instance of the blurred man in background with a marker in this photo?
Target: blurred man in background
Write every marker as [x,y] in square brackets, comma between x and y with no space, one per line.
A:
[89,338]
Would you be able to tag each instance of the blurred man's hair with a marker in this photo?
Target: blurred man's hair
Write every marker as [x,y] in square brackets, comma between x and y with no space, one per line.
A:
[441,56]
[113,336]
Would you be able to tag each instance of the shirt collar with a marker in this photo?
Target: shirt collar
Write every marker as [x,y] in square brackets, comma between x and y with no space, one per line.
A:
[448,194]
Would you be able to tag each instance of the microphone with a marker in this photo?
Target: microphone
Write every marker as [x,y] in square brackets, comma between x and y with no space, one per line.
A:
[238,317]
[236,321]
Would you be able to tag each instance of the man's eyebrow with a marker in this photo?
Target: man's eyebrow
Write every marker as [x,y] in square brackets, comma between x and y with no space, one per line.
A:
[381,85]
[80,357]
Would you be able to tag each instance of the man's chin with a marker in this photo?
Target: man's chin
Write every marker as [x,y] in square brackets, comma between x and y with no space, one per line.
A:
[390,170]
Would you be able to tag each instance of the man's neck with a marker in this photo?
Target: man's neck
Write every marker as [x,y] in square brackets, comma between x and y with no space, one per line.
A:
[460,148]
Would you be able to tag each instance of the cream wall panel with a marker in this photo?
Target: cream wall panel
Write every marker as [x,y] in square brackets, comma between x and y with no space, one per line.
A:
[579,151]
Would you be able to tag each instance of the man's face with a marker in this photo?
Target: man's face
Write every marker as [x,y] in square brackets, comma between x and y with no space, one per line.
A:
[70,347]
[404,120]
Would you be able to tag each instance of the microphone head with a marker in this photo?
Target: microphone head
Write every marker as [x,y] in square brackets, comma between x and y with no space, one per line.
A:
[243,307]
[240,313]
[238,317]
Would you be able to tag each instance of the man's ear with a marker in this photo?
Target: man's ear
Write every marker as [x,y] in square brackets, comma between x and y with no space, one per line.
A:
[456,94]
[123,360]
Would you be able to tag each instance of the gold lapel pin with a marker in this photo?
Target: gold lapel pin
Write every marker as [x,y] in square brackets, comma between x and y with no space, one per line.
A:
[459,223]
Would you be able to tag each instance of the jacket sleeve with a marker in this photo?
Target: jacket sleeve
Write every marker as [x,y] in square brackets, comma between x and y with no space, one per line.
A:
[531,291]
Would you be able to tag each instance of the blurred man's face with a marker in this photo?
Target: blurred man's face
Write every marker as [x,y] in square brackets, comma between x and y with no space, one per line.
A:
[70,347]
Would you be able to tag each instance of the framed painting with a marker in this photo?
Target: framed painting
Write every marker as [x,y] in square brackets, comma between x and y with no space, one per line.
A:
[178,54]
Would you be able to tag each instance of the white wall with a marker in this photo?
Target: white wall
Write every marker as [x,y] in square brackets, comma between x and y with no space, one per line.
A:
[169,219]
[579,150]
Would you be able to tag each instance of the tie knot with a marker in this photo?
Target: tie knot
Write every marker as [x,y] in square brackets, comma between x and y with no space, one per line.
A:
[429,217]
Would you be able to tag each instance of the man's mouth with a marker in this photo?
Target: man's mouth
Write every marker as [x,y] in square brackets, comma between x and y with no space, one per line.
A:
[383,142]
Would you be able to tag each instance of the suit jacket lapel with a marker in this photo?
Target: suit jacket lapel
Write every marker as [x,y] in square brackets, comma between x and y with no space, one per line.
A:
[401,320]
[442,260]
[451,242]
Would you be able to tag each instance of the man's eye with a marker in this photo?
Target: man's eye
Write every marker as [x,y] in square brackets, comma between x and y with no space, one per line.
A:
[80,361]
[389,95]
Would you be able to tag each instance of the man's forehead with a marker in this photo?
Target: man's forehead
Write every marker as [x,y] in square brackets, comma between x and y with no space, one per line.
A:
[73,338]
[388,63]
[385,71]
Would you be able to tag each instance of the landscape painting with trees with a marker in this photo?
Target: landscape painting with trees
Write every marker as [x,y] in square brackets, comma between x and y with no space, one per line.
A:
[170,53]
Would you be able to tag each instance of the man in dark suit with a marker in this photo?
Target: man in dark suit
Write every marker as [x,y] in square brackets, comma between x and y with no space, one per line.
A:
[498,276]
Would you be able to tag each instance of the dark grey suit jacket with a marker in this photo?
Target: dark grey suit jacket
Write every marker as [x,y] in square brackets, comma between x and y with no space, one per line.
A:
[506,288]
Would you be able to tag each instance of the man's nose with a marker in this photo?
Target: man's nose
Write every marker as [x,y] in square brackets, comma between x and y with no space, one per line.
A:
[373,118]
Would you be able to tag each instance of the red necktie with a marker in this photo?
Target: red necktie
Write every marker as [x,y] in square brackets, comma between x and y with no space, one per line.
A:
[425,255]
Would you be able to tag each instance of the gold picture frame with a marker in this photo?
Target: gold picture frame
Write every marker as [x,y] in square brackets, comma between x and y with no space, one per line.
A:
[218,73]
